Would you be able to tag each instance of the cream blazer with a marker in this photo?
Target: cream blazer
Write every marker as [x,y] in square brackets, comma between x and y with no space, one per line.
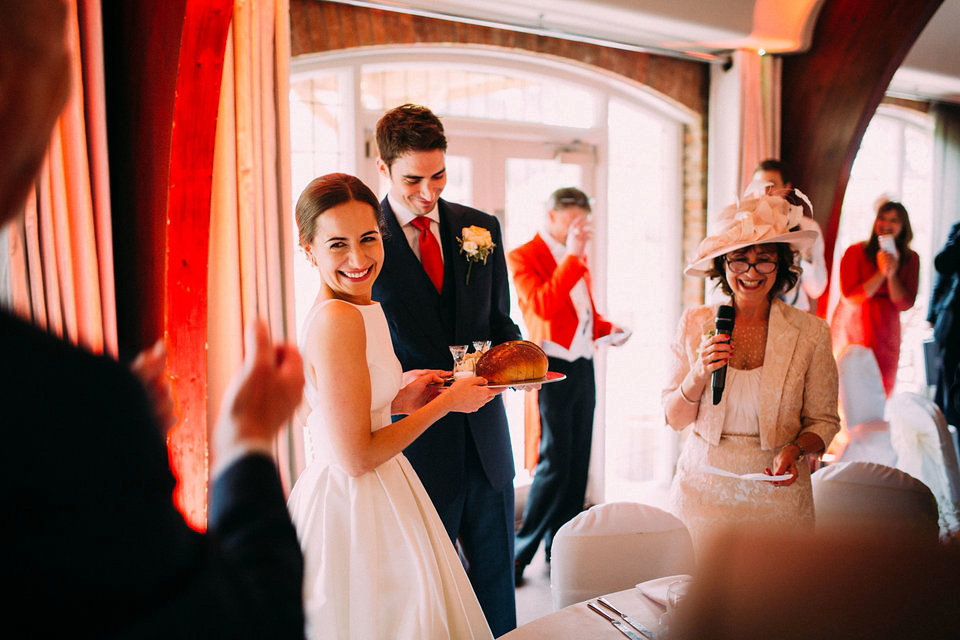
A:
[798,384]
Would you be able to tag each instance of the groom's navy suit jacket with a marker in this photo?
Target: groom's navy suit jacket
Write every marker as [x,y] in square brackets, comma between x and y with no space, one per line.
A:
[424,323]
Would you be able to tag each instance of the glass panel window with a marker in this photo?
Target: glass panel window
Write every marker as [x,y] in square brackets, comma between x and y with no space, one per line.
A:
[315,144]
[315,127]
[643,274]
[450,91]
[895,162]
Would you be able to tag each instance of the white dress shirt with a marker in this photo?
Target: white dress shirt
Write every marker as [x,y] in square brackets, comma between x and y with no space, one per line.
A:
[405,218]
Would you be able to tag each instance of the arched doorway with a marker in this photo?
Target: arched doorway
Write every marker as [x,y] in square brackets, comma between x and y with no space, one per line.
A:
[519,126]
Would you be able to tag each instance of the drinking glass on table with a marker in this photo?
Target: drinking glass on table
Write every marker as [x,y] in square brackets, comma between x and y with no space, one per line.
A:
[676,592]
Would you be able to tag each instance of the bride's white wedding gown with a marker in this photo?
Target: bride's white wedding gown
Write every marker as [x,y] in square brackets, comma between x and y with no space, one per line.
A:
[378,562]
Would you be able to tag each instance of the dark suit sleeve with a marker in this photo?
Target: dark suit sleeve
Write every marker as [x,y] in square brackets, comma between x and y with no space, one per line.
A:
[252,528]
[947,260]
[502,326]
[246,579]
[97,543]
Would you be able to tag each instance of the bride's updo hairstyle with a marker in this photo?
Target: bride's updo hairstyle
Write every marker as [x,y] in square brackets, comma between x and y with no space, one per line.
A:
[330,191]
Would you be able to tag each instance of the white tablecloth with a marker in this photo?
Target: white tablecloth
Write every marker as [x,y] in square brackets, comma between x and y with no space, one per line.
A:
[579,622]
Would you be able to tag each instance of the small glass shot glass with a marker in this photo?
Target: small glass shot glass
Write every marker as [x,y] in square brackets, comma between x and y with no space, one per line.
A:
[459,351]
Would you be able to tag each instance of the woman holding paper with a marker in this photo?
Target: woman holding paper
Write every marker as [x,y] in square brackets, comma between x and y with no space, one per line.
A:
[878,280]
[779,400]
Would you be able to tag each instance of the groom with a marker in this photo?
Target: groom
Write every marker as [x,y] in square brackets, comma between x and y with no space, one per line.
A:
[465,461]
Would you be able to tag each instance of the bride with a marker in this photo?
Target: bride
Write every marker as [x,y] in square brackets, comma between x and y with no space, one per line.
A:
[378,562]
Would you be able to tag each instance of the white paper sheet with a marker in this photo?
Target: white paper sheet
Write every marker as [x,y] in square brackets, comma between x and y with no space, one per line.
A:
[762,477]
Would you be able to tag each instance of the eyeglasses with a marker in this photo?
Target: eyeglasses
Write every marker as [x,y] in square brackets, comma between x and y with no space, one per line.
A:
[742,266]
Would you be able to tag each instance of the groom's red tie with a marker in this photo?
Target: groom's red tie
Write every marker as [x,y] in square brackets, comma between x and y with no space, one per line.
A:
[430,254]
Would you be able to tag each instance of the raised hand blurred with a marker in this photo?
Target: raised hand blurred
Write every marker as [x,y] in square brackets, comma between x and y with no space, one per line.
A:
[149,366]
[263,395]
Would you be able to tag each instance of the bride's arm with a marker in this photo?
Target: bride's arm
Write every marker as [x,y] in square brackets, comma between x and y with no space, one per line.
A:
[336,349]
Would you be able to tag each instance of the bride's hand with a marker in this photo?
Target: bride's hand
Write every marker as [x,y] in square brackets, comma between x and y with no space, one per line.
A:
[466,395]
[420,386]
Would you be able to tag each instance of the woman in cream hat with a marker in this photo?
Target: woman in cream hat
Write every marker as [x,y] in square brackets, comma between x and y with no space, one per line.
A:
[779,403]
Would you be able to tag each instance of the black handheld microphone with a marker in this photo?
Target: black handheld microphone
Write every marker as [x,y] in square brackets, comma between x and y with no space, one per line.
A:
[724,323]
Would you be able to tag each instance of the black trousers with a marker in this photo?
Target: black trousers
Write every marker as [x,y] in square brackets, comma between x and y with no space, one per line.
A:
[560,478]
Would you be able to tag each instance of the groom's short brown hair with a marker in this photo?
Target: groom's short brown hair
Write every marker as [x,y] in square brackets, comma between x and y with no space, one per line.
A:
[409,128]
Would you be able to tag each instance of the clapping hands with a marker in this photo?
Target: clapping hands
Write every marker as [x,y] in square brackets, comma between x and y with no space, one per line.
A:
[149,366]
[263,395]
[887,263]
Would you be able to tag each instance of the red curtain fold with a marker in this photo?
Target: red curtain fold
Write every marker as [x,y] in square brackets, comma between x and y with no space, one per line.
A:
[251,237]
[61,256]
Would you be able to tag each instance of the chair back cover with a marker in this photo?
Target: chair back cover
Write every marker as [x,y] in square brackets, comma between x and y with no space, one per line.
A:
[866,495]
[869,442]
[614,546]
[926,450]
[861,386]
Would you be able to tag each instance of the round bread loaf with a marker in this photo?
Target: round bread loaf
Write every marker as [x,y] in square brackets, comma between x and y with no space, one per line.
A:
[514,361]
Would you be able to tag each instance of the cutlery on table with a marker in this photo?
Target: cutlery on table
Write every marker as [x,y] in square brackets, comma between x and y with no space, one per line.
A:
[621,627]
[633,622]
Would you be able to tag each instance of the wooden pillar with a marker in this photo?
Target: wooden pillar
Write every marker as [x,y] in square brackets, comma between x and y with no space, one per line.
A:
[830,94]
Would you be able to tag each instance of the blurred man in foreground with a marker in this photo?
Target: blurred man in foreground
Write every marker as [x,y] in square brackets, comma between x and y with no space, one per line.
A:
[95,544]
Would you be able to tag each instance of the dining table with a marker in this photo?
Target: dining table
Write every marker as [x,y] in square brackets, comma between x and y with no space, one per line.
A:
[580,621]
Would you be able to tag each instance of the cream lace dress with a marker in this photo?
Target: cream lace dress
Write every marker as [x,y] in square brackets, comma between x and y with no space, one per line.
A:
[707,502]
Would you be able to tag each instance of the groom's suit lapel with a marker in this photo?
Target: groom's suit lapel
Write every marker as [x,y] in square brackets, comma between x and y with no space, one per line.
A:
[407,261]
[452,222]
[408,281]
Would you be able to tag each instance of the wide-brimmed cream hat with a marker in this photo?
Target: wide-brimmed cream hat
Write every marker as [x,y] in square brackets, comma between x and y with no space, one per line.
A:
[758,220]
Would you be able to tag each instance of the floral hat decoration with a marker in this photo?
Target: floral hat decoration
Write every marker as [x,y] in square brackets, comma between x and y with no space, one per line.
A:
[756,220]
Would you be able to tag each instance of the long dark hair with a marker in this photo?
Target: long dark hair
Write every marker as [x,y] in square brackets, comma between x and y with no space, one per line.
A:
[902,241]
[787,270]
[326,192]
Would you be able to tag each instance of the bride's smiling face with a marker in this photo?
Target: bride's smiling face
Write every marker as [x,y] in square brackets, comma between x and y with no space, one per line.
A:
[348,250]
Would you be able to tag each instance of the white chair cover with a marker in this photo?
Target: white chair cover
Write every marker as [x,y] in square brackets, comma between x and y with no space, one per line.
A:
[925,449]
[862,396]
[852,495]
[869,442]
[614,546]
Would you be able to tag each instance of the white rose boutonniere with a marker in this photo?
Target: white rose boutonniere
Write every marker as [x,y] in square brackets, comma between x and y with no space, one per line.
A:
[477,244]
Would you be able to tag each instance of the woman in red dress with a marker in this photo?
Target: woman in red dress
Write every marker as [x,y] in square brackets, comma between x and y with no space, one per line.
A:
[878,280]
